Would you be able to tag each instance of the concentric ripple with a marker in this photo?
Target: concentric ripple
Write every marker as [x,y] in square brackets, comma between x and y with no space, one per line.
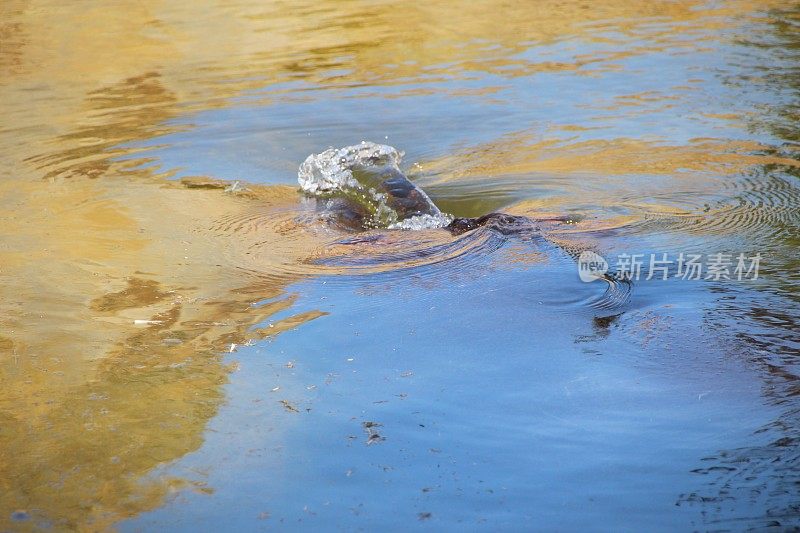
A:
[428,252]
[299,241]
[301,238]
[758,206]
[617,294]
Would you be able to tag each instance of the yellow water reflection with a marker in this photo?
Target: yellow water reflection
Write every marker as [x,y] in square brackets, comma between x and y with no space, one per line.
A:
[119,290]
[116,307]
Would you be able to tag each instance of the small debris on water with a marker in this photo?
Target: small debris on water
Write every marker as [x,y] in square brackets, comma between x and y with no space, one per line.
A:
[202,182]
[373,436]
[275,389]
[406,374]
[263,516]
[234,188]
[290,364]
[289,406]
[424,516]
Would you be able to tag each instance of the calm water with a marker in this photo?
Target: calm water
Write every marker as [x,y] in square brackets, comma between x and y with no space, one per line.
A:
[177,356]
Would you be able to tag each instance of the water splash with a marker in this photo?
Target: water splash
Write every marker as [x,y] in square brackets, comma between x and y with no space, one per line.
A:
[419,222]
[368,178]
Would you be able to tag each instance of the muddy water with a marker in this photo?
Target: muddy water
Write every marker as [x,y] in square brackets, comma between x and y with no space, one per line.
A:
[177,351]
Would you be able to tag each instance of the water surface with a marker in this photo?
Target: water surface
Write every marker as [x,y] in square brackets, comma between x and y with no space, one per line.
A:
[177,355]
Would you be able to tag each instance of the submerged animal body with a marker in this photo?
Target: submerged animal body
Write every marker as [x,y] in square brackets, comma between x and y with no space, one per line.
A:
[500,222]
[363,188]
